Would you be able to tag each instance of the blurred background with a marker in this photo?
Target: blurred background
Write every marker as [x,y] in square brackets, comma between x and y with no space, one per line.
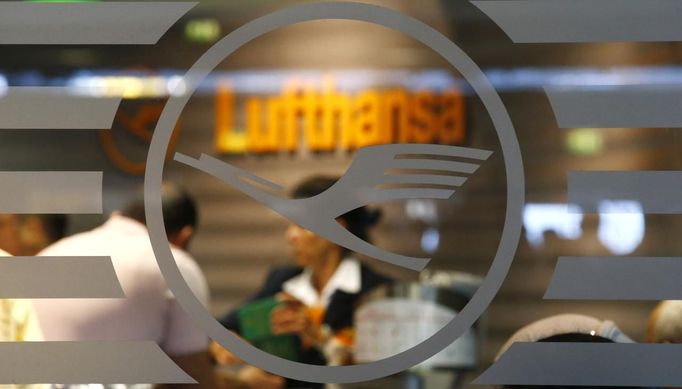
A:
[238,239]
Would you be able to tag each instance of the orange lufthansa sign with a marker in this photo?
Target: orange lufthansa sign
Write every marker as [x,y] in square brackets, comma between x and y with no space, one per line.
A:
[303,117]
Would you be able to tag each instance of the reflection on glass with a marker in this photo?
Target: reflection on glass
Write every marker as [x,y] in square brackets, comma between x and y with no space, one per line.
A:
[562,219]
[621,226]
[430,240]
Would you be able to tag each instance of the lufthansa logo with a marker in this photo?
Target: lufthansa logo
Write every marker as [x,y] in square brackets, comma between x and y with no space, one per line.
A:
[355,189]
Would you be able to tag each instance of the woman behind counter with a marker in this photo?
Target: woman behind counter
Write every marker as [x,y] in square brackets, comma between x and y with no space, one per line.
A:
[320,293]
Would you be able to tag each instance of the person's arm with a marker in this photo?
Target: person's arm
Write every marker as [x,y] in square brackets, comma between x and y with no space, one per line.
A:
[183,341]
[198,365]
[256,378]
[292,317]
[223,356]
[271,286]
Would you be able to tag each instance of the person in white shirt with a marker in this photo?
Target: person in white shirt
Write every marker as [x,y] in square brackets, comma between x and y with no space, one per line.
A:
[319,294]
[149,311]
[18,323]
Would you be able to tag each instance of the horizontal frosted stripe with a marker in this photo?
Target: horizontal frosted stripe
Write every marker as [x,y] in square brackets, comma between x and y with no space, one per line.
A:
[619,107]
[121,23]
[534,21]
[87,362]
[55,108]
[587,364]
[656,192]
[616,278]
[58,277]
[51,192]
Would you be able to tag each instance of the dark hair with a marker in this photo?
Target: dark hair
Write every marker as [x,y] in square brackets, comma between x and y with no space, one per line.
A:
[358,221]
[54,225]
[179,208]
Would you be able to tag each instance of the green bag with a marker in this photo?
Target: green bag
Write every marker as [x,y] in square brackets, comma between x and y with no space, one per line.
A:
[254,326]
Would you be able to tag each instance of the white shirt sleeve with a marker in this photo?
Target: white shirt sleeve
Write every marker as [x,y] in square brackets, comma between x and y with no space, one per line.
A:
[182,335]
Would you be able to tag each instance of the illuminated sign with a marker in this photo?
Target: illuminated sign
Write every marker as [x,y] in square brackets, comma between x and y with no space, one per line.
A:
[271,112]
[306,118]
[202,30]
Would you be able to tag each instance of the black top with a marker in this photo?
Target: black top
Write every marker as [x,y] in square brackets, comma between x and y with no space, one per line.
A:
[339,312]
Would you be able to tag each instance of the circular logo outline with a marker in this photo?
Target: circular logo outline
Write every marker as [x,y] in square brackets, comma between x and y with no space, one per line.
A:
[513,167]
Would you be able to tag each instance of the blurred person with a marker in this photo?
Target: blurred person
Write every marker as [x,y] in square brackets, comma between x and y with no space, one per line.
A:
[18,323]
[565,328]
[665,323]
[319,293]
[27,235]
[149,311]
[39,231]
[10,238]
